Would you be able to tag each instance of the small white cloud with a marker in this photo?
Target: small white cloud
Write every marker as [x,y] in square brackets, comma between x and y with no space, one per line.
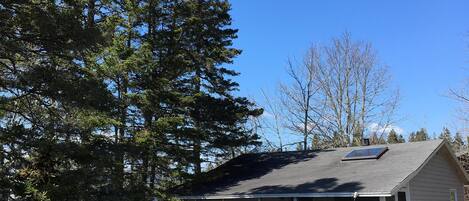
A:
[375,127]
[267,114]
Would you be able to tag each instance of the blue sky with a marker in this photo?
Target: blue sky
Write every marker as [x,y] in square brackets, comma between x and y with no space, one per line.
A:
[424,43]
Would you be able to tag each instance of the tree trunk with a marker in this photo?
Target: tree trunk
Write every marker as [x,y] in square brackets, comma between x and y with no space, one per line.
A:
[197,142]
[197,158]
[122,91]
[305,129]
[122,87]
[152,174]
[3,192]
[90,14]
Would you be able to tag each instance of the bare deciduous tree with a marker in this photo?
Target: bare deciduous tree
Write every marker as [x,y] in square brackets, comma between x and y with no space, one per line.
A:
[462,96]
[337,91]
[298,97]
[271,124]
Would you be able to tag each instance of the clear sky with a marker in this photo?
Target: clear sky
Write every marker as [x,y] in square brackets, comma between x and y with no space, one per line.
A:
[425,44]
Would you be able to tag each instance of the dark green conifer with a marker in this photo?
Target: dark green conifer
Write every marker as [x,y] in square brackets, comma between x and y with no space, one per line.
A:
[392,137]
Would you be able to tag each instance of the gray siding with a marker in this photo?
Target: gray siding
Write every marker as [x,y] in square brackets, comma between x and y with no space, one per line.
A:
[339,199]
[299,199]
[436,178]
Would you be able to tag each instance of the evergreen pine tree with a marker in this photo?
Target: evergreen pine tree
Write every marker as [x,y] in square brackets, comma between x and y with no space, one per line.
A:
[382,140]
[53,103]
[421,135]
[299,146]
[392,137]
[458,142]
[446,135]
[375,139]
[214,116]
[412,137]
[401,139]
[124,98]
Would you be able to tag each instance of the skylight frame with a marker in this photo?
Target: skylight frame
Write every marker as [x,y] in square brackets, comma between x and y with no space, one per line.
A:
[367,157]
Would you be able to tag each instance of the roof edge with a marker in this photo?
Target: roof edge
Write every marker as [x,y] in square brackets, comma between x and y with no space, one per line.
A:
[337,194]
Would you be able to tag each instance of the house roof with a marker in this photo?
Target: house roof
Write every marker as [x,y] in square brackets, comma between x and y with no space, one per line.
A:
[312,173]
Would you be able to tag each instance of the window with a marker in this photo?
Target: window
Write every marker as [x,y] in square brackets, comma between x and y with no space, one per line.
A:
[370,153]
[453,196]
[401,196]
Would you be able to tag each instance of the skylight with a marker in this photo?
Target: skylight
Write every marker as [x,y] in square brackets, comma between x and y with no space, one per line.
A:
[362,154]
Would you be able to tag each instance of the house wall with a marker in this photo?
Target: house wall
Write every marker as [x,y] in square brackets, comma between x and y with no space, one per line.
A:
[340,199]
[299,199]
[434,181]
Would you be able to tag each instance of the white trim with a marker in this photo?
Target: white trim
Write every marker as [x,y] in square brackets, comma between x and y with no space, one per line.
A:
[293,195]
[407,195]
[455,194]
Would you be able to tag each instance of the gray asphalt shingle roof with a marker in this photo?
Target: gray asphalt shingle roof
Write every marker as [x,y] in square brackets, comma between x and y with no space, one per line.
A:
[312,172]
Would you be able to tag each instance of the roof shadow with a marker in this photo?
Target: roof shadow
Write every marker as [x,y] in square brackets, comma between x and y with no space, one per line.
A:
[317,186]
[244,167]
